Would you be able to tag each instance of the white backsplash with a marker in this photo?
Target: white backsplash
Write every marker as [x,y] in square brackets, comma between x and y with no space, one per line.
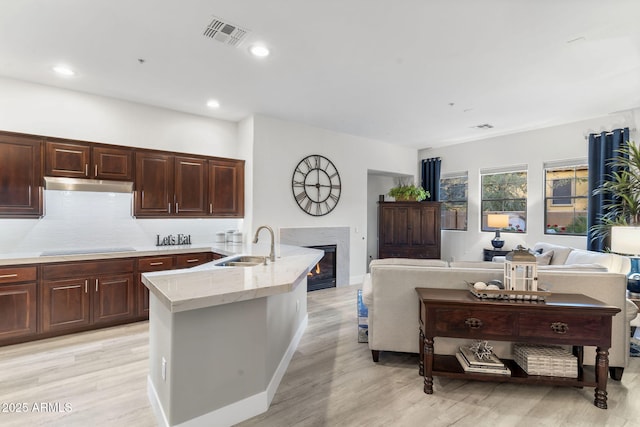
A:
[83,220]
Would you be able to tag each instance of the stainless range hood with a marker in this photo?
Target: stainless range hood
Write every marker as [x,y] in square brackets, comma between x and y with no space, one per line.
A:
[78,184]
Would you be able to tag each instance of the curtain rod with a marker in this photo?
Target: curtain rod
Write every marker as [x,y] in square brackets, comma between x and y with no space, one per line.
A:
[609,132]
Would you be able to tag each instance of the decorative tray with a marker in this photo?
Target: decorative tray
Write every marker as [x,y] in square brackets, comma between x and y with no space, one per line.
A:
[539,295]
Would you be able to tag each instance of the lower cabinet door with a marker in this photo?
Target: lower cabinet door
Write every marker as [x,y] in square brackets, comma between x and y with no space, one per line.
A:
[17,310]
[143,299]
[65,304]
[113,298]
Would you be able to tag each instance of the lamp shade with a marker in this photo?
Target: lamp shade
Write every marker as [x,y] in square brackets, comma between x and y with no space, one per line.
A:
[497,220]
[625,240]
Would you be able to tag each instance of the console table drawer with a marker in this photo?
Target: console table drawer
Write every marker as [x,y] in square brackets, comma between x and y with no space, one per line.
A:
[470,323]
[560,327]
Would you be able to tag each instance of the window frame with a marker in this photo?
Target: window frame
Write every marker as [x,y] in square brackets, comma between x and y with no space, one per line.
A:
[464,201]
[518,218]
[575,199]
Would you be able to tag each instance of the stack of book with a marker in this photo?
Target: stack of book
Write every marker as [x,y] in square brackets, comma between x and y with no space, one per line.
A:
[472,363]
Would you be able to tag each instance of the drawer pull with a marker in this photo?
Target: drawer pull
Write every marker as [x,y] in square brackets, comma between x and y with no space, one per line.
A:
[193,260]
[6,276]
[156,263]
[559,327]
[473,323]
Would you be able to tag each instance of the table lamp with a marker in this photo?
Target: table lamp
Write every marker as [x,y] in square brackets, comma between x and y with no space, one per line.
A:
[625,240]
[497,221]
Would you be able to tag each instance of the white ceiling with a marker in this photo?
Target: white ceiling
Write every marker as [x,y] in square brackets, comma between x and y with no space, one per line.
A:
[420,73]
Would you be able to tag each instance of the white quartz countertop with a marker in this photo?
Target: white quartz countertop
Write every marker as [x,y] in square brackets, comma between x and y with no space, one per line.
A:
[104,253]
[210,284]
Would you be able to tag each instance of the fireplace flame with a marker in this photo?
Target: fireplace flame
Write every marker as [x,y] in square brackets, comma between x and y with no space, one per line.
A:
[317,271]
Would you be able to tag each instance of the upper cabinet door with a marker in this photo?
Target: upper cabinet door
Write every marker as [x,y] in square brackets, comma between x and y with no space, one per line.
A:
[84,160]
[20,176]
[190,186]
[67,159]
[226,188]
[112,163]
[154,184]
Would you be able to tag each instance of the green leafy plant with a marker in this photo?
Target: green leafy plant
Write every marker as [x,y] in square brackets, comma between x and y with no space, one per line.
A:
[408,192]
[623,189]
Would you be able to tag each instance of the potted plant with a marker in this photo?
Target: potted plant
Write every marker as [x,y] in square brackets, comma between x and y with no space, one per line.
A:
[624,190]
[408,192]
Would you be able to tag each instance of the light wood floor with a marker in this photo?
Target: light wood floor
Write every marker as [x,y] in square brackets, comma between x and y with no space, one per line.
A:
[331,381]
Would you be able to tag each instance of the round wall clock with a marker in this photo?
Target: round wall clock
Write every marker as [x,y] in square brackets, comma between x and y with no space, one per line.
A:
[316,185]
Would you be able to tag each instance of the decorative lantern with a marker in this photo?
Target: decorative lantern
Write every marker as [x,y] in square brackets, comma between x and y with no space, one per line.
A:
[520,271]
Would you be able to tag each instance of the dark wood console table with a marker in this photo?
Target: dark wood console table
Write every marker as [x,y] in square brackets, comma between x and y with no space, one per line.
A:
[564,319]
[488,254]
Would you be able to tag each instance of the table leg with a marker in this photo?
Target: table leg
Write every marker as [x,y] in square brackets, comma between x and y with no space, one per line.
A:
[428,365]
[421,359]
[602,372]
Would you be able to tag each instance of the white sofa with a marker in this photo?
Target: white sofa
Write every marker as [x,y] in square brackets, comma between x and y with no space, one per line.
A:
[556,257]
[389,293]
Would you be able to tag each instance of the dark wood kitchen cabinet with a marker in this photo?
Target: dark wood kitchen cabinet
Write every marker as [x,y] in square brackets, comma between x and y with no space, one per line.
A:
[145,265]
[190,186]
[76,159]
[409,230]
[168,185]
[153,184]
[161,263]
[18,308]
[226,188]
[77,295]
[20,176]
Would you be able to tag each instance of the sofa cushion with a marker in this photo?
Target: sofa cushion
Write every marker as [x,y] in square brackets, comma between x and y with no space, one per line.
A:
[544,258]
[560,253]
[410,261]
[573,267]
[475,264]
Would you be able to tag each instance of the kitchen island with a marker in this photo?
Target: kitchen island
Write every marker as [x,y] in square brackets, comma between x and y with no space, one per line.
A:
[221,337]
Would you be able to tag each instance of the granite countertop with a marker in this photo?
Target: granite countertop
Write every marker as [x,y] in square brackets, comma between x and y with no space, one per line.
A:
[211,284]
[94,254]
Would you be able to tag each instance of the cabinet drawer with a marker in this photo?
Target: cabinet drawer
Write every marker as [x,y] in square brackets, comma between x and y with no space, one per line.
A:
[561,326]
[17,274]
[191,260]
[469,323]
[156,263]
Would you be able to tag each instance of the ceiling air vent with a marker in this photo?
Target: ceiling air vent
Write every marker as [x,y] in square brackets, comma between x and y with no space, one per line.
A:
[225,32]
[484,126]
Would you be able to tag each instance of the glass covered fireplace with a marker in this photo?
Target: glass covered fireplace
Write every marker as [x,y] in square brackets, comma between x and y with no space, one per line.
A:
[323,275]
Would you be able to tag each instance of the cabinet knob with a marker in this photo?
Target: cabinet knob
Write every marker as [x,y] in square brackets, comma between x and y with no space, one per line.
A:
[559,327]
[473,323]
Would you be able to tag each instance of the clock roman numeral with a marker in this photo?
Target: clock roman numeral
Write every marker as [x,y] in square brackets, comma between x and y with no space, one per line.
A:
[308,163]
[301,196]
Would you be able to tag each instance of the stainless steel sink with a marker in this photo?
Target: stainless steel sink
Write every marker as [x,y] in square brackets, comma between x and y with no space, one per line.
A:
[243,261]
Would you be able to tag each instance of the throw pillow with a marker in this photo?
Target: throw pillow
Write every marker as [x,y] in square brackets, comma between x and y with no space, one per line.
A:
[544,258]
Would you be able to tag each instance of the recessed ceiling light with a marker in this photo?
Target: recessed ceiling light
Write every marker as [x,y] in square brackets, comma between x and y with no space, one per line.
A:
[213,103]
[63,70]
[259,50]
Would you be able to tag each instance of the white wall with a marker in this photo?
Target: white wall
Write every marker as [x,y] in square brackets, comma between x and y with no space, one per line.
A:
[532,148]
[280,145]
[378,184]
[80,220]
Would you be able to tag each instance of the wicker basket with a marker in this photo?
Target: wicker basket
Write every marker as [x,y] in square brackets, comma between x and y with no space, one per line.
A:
[551,361]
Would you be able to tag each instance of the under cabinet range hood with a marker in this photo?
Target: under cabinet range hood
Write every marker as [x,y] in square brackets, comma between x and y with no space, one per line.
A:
[79,184]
